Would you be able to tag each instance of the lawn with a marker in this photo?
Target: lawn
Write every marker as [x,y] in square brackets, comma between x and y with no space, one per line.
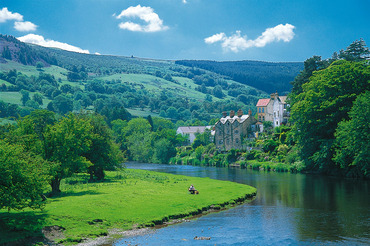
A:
[127,199]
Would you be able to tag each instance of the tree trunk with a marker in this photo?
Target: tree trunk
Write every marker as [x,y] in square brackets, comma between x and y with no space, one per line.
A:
[55,187]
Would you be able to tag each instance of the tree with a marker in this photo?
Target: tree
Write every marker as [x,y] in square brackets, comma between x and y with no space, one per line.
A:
[352,143]
[163,151]
[64,145]
[37,97]
[325,101]
[104,153]
[39,65]
[356,51]
[202,139]
[25,97]
[217,91]
[22,178]
[62,104]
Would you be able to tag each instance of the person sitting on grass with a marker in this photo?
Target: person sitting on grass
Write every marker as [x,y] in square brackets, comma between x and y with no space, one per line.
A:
[192,190]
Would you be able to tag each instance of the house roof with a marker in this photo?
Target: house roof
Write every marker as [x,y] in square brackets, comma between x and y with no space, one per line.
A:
[235,118]
[192,129]
[263,102]
[283,99]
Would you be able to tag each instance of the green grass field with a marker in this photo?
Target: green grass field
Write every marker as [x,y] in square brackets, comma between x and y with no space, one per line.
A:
[141,113]
[127,199]
[58,72]
[14,97]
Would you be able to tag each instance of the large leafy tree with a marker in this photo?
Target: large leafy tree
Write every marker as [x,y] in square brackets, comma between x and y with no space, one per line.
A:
[104,153]
[22,178]
[64,145]
[324,102]
[353,139]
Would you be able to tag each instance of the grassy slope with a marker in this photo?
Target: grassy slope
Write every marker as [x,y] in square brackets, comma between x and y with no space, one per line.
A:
[14,97]
[129,198]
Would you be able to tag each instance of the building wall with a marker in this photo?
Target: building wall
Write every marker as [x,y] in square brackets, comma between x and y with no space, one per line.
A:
[230,135]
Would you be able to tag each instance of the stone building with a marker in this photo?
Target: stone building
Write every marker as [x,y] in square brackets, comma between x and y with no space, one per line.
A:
[273,109]
[231,129]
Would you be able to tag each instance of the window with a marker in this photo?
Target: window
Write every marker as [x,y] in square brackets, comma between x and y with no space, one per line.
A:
[227,141]
[263,110]
[221,141]
[236,140]
[259,118]
[278,113]
[274,114]
[259,110]
[236,131]
[263,118]
[277,123]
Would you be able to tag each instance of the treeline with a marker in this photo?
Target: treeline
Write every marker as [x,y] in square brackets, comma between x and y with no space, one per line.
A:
[330,112]
[265,76]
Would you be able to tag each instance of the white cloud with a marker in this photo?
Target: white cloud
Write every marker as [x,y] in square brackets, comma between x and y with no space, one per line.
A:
[25,26]
[184,1]
[39,40]
[215,38]
[6,15]
[147,14]
[236,42]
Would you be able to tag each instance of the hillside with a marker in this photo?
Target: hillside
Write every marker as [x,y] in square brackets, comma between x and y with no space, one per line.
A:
[265,76]
[118,86]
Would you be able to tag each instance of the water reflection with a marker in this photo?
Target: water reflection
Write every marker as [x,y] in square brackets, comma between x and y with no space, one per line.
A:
[289,209]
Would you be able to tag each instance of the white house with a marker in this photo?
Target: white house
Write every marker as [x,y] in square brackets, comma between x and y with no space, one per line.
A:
[272,109]
[191,131]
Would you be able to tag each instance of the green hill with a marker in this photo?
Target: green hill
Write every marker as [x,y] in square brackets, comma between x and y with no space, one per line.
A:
[266,76]
[112,84]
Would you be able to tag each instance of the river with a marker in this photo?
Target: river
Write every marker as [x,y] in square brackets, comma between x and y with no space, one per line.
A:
[289,209]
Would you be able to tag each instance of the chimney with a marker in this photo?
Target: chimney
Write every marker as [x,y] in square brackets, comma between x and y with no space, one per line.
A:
[240,113]
[232,113]
[249,112]
[272,96]
[224,114]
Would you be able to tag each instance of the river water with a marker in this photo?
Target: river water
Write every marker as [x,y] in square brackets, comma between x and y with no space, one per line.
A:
[289,209]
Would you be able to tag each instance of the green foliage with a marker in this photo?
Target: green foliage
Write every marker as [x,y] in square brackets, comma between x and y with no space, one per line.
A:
[356,51]
[65,143]
[261,75]
[352,143]
[23,178]
[104,153]
[204,139]
[325,101]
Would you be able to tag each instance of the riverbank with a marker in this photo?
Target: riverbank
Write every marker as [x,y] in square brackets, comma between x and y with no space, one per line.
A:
[128,199]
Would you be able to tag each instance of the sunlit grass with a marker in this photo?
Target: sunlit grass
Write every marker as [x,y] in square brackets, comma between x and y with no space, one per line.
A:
[126,199]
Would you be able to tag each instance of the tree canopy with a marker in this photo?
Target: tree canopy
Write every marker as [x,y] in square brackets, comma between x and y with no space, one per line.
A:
[324,102]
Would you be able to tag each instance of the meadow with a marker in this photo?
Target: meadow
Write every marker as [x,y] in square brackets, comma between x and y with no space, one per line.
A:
[127,199]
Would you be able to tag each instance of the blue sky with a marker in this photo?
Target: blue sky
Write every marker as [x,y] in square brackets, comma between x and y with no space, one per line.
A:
[287,30]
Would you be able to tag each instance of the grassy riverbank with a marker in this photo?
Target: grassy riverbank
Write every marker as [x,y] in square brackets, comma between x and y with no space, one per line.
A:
[127,199]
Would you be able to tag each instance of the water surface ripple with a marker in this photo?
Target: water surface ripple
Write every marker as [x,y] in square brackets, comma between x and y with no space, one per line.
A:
[290,209]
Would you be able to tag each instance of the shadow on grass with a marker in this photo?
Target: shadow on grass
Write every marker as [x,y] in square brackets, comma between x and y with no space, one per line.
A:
[74,193]
[17,228]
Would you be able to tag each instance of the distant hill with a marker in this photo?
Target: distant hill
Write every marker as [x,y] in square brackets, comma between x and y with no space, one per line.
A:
[13,49]
[266,76]
[109,85]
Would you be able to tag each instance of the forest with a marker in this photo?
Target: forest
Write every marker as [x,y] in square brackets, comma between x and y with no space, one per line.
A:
[266,76]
